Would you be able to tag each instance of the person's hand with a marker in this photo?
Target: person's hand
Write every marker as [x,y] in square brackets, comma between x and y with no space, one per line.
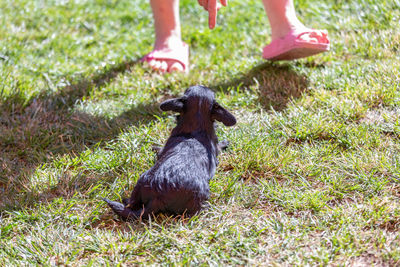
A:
[212,6]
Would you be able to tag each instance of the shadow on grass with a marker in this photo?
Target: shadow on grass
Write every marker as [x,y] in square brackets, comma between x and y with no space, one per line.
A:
[277,83]
[32,134]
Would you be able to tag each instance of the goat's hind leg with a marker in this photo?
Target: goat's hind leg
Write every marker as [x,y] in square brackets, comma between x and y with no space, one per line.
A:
[157,150]
[223,145]
[125,201]
[122,211]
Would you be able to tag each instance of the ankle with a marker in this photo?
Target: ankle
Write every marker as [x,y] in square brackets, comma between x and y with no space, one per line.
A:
[282,30]
[279,32]
[171,40]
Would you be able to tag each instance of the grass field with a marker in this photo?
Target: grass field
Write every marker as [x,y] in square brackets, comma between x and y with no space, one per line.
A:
[312,176]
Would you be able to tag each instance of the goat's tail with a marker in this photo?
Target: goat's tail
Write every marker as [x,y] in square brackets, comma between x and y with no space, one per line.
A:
[122,211]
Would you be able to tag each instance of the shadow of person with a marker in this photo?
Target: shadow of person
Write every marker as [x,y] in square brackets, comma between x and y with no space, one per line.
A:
[277,83]
[32,135]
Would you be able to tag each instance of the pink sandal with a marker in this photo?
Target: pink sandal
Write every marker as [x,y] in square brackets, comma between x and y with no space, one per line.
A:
[179,55]
[292,46]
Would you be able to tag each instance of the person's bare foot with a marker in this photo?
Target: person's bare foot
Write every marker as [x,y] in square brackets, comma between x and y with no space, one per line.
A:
[304,33]
[291,39]
[169,56]
[297,43]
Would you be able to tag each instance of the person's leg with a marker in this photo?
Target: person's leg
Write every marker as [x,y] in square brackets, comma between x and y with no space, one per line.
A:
[168,33]
[282,17]
[283,20]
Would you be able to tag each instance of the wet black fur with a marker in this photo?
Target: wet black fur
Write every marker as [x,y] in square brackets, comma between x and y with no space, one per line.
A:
[178,183]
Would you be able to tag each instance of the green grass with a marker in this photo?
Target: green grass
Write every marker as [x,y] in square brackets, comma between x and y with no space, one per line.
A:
[312,176]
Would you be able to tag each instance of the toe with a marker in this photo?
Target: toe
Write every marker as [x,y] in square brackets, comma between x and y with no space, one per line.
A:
[176,66]
[163,66]
[156,66]
[152,63]
[324,32]
[309,37]
[315,36]
[166,65]
[321,36]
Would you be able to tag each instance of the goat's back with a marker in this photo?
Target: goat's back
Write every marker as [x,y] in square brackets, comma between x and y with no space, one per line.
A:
[179,179]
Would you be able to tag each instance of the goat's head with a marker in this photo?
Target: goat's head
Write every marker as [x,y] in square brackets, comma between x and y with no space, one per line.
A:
[198,108]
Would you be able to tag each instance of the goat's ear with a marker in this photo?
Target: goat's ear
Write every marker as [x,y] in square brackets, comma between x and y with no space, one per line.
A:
[220,114]
[175,104]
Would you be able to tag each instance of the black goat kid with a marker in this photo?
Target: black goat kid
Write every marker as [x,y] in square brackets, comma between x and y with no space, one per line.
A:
[178,182]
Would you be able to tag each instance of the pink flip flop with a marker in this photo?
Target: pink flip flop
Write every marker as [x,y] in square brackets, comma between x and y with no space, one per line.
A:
[292,46]
[179,55]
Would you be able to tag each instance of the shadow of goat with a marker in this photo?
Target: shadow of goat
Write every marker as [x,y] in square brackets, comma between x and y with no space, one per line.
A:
[179,180]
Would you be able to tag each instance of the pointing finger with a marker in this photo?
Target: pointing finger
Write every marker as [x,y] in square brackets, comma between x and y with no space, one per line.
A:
[212,13]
